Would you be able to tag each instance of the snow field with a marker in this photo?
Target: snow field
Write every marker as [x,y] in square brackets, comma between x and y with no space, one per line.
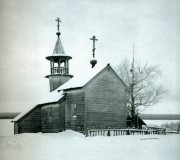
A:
[6,127]
[70,145]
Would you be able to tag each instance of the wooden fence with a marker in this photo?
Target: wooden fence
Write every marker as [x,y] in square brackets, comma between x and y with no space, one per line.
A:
[120,132]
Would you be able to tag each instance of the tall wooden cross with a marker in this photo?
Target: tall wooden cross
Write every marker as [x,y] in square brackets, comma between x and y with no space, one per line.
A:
[93,39]
[58,21]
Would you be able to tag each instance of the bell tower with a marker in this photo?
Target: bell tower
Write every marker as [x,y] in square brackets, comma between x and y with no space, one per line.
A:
[59,64]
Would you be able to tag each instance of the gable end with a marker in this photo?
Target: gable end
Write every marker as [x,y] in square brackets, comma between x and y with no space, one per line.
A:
[109,68]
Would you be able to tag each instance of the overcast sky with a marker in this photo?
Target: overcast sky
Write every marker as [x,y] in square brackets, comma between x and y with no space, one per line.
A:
[28,28]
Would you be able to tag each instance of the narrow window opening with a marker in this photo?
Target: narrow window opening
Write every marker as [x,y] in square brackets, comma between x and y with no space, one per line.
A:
[50,112]
[73,110]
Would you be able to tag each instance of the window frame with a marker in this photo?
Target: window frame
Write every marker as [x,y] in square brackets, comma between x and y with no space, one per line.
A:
[73,110]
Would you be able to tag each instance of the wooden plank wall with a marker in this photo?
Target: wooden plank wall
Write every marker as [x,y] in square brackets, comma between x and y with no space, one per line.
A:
[50,121]
[57,80]
[75,123]
[16,128]
[31,123]
[105,102]
[62,116]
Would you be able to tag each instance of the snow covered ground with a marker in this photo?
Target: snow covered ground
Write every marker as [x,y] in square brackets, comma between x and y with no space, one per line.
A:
[6,127]
[70,145]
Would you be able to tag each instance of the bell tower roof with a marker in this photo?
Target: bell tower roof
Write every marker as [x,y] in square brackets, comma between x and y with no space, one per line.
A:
[58,49]
[59,64]
[58,52]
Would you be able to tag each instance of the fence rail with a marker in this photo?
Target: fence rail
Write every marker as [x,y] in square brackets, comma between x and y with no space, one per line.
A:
[128,131]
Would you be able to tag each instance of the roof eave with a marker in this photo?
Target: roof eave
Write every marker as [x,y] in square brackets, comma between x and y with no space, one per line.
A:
[38,105]
[69,89]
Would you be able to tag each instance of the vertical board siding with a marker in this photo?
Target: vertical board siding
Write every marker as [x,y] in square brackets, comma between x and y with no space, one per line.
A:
[57,80]
[16,130]
[62,116]
[31,123]
[101,103]
[75,98]
[105,102]
[50,117]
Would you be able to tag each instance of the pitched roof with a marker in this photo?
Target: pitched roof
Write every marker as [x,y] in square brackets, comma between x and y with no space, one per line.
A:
[58,51]
[58,48]
[73,83]
[138,120]
[81,81]
[48,98]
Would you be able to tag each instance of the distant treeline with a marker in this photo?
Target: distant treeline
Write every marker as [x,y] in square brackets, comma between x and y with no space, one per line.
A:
[8,115]
[160,116]
[11,115]
[172,125]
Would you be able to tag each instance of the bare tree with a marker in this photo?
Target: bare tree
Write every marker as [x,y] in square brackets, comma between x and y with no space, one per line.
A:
[144,88]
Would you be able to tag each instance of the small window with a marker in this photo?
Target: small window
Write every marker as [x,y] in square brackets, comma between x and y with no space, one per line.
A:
[73,110]
[50,112]
[44,117]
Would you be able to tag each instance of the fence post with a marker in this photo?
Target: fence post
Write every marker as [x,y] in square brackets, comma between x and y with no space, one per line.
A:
[164,131]
[101,131]
[87,130]
[157,131]
[128,132]
[108,133]
[146,131]
[93,132]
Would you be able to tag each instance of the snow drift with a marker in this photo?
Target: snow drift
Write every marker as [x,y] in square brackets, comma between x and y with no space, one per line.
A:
[70,145]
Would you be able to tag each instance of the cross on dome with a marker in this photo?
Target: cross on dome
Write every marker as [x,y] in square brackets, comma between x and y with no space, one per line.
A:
[93,39]
[58,21]
[58,24]
[93,61]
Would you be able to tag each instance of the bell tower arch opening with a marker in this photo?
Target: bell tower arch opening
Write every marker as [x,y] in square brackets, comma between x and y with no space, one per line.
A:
[59,64]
